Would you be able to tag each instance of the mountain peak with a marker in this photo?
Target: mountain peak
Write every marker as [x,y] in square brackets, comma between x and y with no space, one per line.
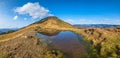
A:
[52,21]
[51,25]
[47,19]
[52,17]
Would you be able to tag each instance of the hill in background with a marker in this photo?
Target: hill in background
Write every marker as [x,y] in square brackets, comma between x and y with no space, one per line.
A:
[95,26]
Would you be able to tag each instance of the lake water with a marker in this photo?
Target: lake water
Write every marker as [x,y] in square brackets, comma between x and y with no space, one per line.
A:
[68,42]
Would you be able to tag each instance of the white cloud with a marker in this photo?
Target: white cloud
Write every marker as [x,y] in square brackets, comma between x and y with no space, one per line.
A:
[71,21]
[33,9]
[25,18]
[51,15]
[15,17]
[76,21]
[7,26]
[93,21]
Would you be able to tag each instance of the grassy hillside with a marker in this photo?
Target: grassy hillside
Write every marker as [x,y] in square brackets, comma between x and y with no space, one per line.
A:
[53,22]
[27,46]
[103,42]
[24,43]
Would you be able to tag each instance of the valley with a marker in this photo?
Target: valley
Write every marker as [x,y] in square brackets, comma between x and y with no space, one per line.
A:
[24,43]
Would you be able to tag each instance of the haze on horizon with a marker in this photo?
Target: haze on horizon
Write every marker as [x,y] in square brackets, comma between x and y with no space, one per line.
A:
[17,13]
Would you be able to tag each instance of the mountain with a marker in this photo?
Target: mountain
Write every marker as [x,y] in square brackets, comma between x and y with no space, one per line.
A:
[51,25]
[24,43]
[0,31]
[5,30]
[95,26]
[53,22]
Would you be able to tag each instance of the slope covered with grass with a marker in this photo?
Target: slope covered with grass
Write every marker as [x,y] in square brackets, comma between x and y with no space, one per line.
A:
[103,42]
[24,43]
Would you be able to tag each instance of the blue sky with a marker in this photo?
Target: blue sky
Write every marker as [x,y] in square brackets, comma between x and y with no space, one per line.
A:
[19,13]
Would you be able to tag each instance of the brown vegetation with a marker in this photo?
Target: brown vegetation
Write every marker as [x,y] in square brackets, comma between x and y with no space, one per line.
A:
[104,42]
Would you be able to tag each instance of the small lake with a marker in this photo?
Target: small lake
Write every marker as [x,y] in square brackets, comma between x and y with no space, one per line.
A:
[68,42]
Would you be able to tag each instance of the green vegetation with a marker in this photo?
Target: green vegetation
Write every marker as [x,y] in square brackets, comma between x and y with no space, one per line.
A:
[103,43]
[55,54]
[111,48]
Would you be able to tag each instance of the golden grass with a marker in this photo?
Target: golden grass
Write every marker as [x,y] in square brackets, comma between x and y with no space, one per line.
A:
[105,42]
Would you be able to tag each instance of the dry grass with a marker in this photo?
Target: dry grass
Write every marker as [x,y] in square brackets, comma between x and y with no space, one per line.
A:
[105,43]
[27,46]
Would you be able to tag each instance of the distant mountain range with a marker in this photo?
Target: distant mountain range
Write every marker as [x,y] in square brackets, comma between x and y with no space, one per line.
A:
[77,25]
[7,29]
[95,25]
